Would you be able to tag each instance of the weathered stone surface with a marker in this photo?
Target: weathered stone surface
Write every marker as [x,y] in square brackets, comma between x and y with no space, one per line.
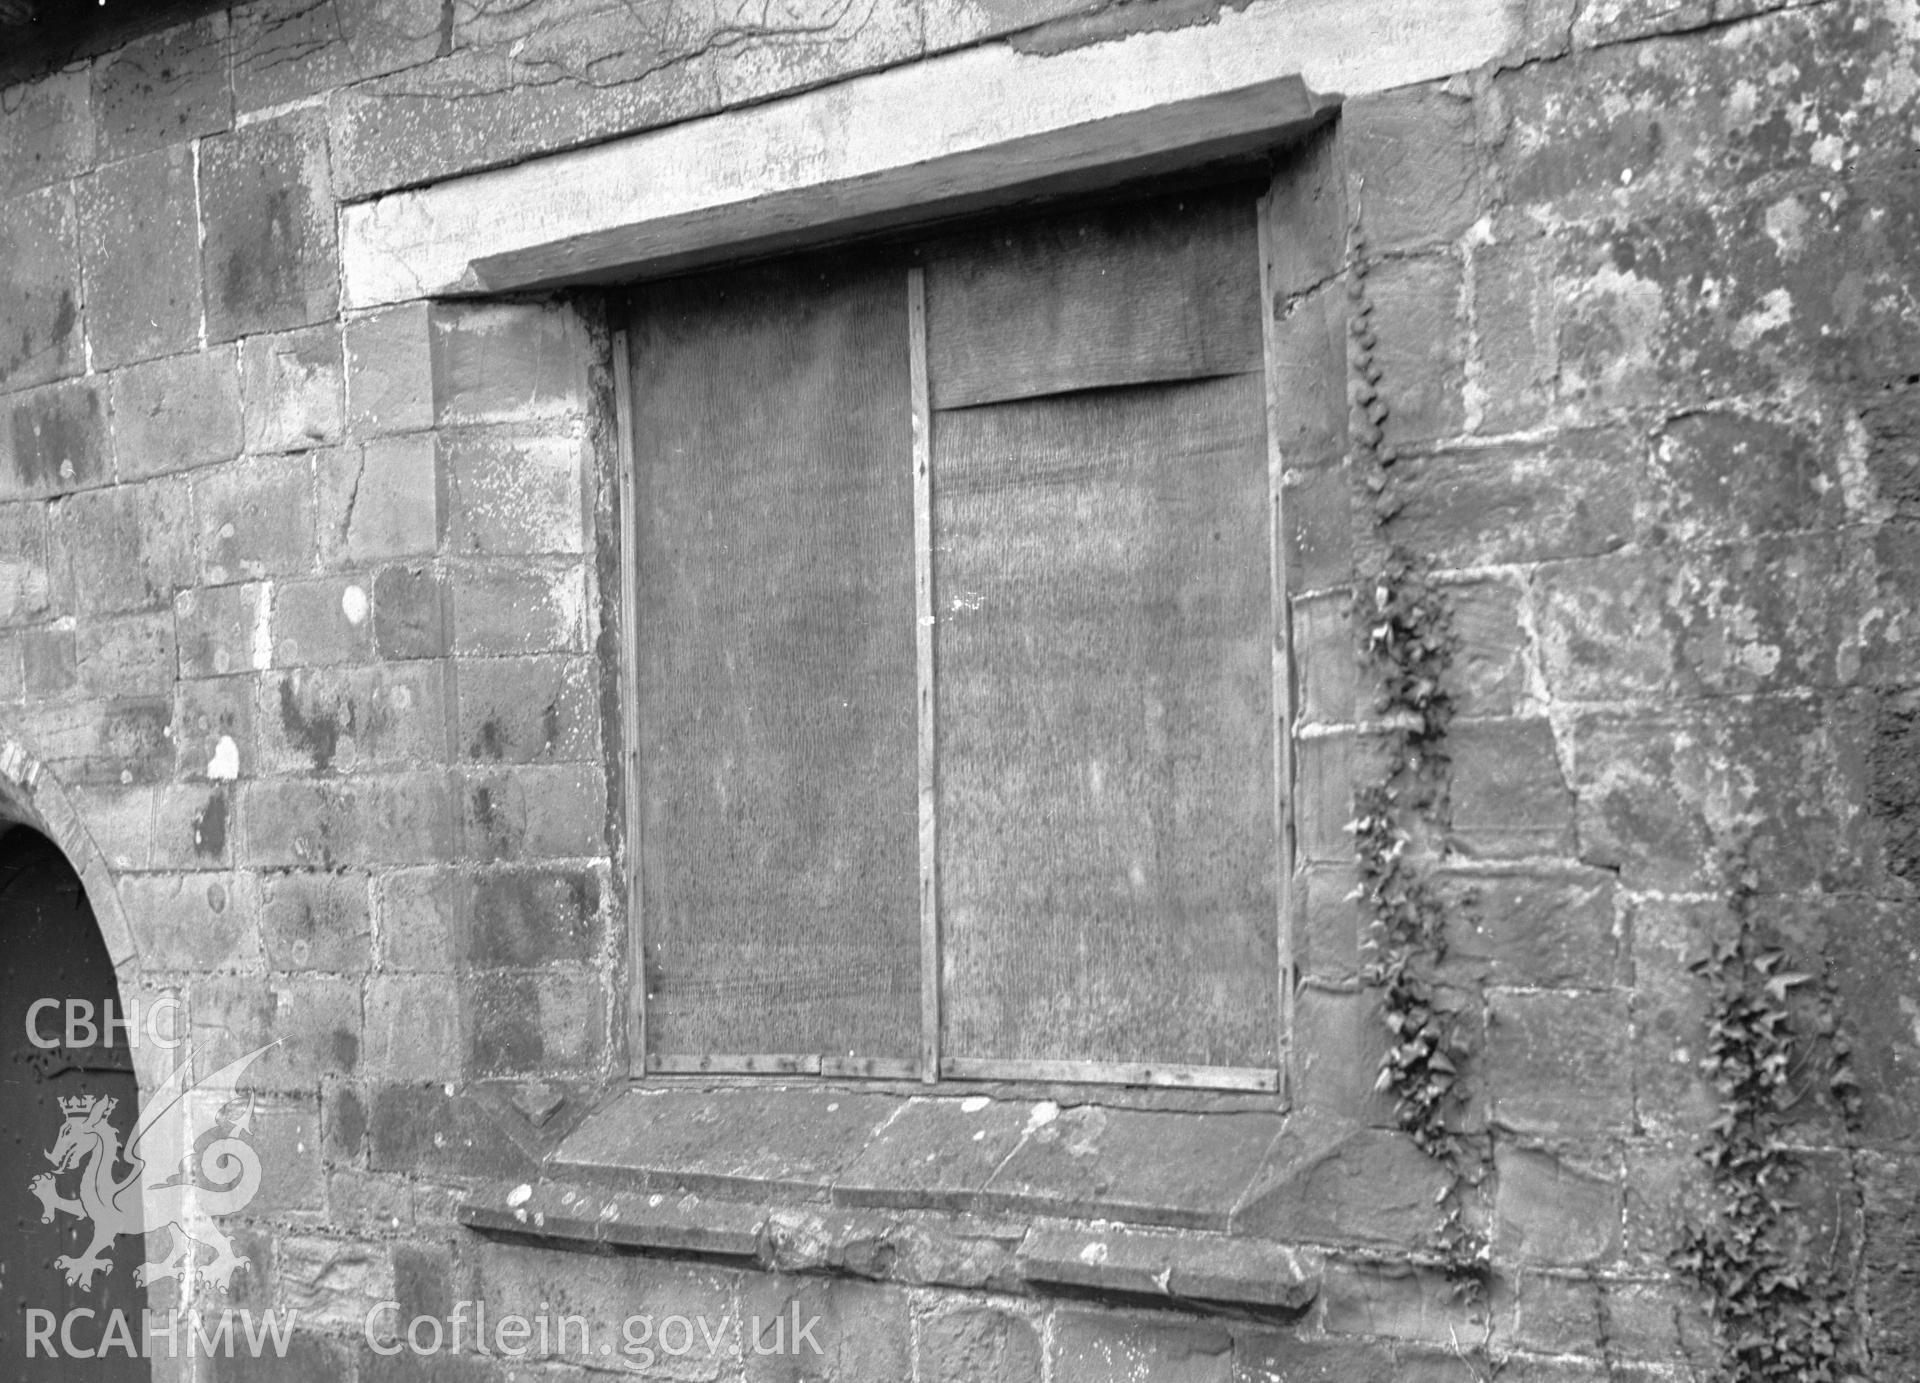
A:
[46,131]
[1340,1037]
[508,363]
[1317,506]
[290,390]
[49,662]
[1308,351]
[12,669]
[165,88]
[1537,928]
[287,1134]
[533,1023]
[1806,611]
[1571,495]
[26,589]
[332,1282]
[1661,792]
[1509,797]
[121,548]
[1546,1211]
[56,440]
[314,1019]
[527,710]
[192,826]
[344,720]
[269,245]
[254,519]
[419,910]
[1323,772]
[527,917]
[1725,474]
[510,495]
[1148,1168]
[1090,1348]
[389,371]
[222,629]
[104,742]
[1283,1357]
[315,921]
[321,622]
[131,655]
[535,812]
[547,76]
[1422,346]
[1397,1302]
[1876,966]
[1518,335]
[413,1028]
[284,50]
[975,1344]
[1708,115]
[518,609]
[120,820]
[177,413]
[40,293]
[1633,331]
[412,614]
[400,818]
[716,1140]
[936,1152]
[212,727]
[970,21]
[1560,1064]
[139,247]
[197,922]
[1327,947]
[1329,1182]
[1327,654]
[1415,177]
[1492,672]
[398,503]
[1671,1094]
[862,1327]
[1891,1189]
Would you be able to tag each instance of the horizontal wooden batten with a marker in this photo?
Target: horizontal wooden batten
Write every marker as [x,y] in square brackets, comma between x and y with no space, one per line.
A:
[870,1067]
[1113,1073]
[733,1064]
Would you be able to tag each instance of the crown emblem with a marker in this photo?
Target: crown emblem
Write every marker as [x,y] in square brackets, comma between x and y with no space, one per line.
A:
[76,1104]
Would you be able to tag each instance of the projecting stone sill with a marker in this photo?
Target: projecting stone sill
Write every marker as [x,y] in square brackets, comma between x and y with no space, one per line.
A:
[1228,1206]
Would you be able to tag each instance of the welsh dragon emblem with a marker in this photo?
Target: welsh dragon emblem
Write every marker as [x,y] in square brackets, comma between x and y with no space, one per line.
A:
[159,1192]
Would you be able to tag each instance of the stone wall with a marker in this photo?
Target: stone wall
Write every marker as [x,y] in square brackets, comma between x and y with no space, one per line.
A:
[306,621]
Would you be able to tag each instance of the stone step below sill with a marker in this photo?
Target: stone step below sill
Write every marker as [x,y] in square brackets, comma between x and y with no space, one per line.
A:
[922,1248]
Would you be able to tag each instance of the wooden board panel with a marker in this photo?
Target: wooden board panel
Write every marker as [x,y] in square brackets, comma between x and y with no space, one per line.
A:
[776,662]
[1104,653]
[1164,290]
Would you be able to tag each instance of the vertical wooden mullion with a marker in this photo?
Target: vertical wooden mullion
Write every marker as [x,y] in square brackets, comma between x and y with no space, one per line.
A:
[923,681]
[1283,688]
[630,696]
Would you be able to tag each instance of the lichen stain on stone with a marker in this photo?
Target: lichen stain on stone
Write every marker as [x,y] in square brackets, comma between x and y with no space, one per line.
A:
[268,270]
[318,735]
[210,827]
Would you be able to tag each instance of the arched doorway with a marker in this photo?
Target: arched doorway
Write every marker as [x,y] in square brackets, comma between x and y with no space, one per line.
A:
[51,948]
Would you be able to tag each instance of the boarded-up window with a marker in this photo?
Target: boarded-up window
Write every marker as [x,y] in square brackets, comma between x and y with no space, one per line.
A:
[955,643]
